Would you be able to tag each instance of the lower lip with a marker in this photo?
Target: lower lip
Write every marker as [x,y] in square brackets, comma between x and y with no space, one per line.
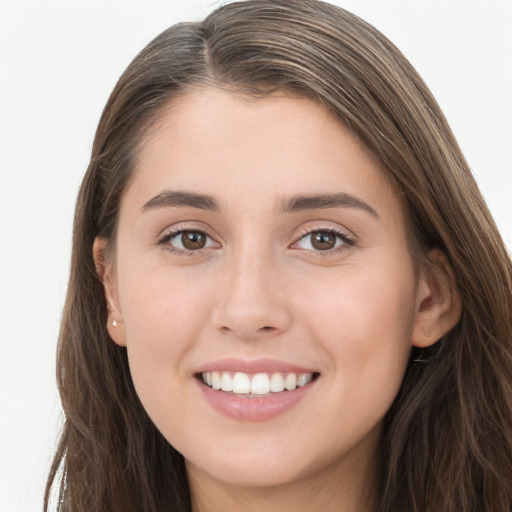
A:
[254,408]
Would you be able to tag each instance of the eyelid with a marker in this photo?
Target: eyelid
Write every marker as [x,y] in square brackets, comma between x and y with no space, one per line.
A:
[348,240]
[172,232]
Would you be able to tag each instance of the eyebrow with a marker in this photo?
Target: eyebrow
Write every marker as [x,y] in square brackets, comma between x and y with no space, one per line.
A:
[170,198]
[298,203]
[323,201]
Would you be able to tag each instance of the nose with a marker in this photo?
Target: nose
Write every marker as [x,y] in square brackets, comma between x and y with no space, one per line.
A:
[253,303]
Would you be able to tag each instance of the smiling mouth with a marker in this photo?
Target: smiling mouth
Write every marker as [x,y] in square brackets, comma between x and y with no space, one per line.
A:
[256,385]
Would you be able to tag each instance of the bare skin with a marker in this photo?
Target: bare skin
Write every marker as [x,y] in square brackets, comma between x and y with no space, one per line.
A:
[256,230]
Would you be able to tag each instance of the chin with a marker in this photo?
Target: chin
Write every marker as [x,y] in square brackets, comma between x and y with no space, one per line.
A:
[254,473]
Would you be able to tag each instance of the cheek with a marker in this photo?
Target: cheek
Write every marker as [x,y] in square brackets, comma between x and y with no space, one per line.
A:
[162,317]
[365,323]
[365,329]
[158,307]
[377,299]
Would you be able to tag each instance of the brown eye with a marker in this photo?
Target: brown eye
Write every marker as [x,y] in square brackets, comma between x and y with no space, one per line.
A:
[193,240]
[323,240]
[188,241]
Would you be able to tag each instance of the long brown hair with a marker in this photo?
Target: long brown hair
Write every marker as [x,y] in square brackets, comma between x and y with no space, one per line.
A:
[447,440]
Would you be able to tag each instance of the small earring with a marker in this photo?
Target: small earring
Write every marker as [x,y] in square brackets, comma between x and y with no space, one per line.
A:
[114,323]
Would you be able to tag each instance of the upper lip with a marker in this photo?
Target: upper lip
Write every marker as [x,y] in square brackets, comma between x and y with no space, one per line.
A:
[261,365]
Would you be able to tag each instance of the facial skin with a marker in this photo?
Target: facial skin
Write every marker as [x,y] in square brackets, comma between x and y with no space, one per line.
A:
[259,289]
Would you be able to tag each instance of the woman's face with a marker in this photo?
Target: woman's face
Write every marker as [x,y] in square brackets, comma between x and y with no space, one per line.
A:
[260,244]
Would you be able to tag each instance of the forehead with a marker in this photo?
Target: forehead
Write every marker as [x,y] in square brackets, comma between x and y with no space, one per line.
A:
[212,135]
[255,160]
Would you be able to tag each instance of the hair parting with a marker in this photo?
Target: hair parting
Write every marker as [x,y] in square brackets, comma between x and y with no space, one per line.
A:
[447,440]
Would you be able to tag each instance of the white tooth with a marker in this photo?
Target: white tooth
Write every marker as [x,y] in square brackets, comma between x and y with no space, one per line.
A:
[276,383]
[204,378]
[241,383]
[303,379]
[260,384]
[290,383]
[216,380]
[226,382]
[209,378]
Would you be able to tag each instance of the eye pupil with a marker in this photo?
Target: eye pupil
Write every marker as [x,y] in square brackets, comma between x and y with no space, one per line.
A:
[323,240]
[193,240]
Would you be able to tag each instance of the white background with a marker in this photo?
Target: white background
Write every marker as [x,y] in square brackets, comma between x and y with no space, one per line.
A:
[58,62]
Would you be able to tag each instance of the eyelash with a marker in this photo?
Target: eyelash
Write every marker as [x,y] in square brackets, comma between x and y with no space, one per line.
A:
[170,235]
[347,241]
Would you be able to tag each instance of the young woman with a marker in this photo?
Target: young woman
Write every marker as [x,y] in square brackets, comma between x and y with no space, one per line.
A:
[286,289]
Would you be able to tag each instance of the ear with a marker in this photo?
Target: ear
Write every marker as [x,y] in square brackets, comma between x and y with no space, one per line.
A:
[438,304]
[107,275]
